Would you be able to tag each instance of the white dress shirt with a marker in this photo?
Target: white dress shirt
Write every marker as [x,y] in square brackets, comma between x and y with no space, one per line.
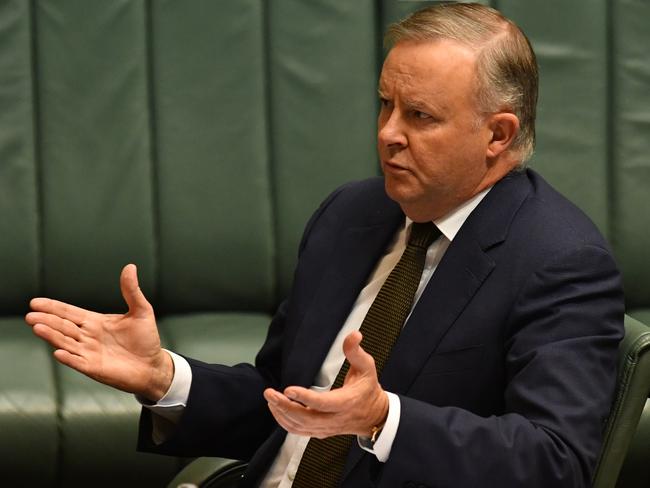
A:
[283,469]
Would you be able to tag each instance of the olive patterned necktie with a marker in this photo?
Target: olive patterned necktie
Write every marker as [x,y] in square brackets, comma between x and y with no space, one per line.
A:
[323,461]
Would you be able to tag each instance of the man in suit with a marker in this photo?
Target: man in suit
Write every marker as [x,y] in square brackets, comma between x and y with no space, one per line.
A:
[504,370]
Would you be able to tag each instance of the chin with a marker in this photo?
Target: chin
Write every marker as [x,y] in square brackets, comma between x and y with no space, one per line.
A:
[400,192]
[412,203]
[394,190]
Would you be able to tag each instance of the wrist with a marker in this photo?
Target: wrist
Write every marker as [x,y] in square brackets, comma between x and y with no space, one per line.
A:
[380,418]
[161,377]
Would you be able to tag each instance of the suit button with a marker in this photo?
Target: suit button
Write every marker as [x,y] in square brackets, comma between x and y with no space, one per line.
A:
[410,484]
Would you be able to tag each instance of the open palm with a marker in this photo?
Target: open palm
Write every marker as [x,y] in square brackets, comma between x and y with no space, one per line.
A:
[120,350]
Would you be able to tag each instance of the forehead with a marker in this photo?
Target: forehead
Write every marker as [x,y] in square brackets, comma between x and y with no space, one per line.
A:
[419,68]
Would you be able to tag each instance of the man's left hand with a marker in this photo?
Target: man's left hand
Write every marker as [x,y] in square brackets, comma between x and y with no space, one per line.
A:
[355,408]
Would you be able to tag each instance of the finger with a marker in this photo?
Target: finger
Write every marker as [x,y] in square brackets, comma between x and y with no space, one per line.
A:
[271,395]
[356,356]
[284,420]
[56,339]
[133,296]
[281,401]
[278,407]
[300,417]
[61,309]
[290,408]
[64,326]
[313,427]
[71,360]
[332,401]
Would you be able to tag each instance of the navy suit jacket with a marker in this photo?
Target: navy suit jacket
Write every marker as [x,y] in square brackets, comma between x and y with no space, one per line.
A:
[505,370]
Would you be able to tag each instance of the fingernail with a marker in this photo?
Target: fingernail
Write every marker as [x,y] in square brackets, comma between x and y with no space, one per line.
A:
[291,394]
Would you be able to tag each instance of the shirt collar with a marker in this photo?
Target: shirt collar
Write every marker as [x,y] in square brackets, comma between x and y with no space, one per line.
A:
[451,223]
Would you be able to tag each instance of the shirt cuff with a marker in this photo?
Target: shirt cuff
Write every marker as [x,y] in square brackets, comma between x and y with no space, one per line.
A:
[384,442]
[175,399]
[168,410]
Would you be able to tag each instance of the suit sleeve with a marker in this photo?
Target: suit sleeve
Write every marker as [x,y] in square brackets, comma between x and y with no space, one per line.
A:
[560,353]
[226,414]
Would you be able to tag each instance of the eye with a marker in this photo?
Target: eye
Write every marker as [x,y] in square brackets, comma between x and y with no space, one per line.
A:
[384,102]
[421,115]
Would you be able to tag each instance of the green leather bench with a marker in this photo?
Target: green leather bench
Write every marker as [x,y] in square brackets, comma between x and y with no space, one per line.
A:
[195,138]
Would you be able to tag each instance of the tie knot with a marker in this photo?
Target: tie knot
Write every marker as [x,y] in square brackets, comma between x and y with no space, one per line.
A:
[423,234]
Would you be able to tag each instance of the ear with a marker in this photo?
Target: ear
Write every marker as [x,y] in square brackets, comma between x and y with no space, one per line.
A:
[504,127]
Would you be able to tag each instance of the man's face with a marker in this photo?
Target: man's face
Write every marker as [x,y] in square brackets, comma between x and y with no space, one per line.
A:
[431,141]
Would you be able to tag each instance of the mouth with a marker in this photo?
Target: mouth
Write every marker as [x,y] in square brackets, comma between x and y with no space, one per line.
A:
[394,167]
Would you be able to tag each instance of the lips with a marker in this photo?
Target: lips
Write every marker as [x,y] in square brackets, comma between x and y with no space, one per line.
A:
[393,166]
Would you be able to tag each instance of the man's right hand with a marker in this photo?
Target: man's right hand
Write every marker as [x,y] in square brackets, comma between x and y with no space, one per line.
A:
[122,351]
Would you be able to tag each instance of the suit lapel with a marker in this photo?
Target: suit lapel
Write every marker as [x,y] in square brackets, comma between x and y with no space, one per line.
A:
[457,278]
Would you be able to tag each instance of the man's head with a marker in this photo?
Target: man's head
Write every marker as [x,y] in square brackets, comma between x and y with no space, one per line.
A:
[458,90]
[506,68]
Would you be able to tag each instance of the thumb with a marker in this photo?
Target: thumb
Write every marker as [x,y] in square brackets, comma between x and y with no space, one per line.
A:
[356,356]
[133,296]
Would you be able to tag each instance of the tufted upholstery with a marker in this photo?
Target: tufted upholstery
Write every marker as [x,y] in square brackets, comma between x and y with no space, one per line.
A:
[194,138]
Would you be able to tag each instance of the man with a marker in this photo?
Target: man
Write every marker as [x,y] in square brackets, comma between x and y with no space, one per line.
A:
[503,372]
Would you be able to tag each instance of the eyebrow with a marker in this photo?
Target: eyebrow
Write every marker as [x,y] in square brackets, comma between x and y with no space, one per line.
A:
[415,103]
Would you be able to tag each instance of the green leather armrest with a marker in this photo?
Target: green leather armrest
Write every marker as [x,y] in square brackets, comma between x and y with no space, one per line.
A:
[635,472]
[631,396]
[209,473]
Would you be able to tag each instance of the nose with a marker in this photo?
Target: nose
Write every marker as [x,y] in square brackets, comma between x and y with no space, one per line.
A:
[390,132]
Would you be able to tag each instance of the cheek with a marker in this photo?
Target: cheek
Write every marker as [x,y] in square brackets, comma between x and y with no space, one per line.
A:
[440,165]
[430,157]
